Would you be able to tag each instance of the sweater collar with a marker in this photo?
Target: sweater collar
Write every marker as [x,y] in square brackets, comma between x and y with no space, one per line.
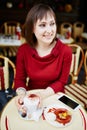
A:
[55,51]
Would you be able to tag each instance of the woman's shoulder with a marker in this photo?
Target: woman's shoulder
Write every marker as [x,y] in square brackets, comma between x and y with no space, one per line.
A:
[67,48]
[67,51]
[64,47]
[61,48]
[24,46]
[24,49]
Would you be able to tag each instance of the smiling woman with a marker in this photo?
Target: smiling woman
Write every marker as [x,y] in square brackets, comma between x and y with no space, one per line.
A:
[44,58]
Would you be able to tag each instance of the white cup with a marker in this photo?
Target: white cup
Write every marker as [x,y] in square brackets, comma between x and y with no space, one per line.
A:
[31,102]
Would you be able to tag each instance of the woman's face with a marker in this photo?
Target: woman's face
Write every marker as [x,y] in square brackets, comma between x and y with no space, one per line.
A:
[45,29]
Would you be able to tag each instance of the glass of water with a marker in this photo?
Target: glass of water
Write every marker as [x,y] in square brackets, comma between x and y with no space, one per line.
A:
[21,91]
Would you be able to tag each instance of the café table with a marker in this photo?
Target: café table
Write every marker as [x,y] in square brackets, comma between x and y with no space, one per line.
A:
[71,40]
[10,42]
[11,120]
[65,40]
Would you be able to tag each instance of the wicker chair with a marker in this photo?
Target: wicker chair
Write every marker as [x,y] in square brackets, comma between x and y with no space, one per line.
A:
[78,29]
[9,28]
[75,90]
[64,28]
[7,74]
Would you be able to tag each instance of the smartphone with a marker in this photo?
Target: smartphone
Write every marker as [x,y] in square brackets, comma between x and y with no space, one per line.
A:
[69,102]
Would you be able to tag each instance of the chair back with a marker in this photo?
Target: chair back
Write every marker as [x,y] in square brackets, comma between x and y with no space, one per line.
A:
[64,28]
[9,27]
[76,90]
[7,73]
[77,61]
[78,29]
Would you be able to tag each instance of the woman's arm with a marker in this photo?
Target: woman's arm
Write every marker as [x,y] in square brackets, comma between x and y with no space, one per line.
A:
[20,78]
[59,84]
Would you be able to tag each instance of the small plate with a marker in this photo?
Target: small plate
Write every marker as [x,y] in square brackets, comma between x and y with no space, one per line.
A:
[51,118]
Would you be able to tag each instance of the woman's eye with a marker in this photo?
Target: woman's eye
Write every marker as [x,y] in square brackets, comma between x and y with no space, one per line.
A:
[42,25]
[52,24]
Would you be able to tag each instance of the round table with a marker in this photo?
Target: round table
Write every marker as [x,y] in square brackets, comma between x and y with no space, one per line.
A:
[11,120]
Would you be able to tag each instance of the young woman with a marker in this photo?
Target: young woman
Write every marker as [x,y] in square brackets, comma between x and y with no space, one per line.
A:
[43,58]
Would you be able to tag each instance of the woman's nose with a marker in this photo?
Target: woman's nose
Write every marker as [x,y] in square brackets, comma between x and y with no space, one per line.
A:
[48,29]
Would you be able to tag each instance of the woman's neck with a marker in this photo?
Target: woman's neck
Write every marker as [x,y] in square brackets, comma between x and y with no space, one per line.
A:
[44,50]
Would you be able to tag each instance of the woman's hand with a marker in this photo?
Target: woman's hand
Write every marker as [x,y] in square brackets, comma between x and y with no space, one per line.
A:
[19,102]
[44,94]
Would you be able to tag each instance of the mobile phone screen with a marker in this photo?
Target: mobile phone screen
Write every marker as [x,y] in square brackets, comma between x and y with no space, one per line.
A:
[69,102]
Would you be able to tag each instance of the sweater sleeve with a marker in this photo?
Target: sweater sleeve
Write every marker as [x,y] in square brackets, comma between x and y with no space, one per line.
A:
[20,78]
[59,84]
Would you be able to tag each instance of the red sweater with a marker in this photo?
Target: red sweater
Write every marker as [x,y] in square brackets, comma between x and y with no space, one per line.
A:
[51,70]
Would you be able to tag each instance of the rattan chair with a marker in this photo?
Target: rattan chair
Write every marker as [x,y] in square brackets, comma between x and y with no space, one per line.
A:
[7,73]
[74,89]
[64,28]
[9,28]
[78,29]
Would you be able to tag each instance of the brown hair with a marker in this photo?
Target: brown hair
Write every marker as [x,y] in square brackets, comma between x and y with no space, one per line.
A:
[37,12]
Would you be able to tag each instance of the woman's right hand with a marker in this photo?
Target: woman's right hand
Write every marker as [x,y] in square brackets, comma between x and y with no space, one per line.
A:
[19,102]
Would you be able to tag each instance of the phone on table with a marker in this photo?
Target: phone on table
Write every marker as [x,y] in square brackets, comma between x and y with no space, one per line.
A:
[69,102]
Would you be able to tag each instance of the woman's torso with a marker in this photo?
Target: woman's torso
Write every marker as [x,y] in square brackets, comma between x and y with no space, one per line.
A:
[42,71]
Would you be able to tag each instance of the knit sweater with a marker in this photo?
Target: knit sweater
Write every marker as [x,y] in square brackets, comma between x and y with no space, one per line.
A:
[51,70]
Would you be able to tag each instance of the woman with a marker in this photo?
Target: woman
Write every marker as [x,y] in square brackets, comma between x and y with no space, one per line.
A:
[43,58]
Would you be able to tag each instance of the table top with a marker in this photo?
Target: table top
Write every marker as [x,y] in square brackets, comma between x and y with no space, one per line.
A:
[9,40]
[65,40]
[10,43]
[72,41]
[15,122]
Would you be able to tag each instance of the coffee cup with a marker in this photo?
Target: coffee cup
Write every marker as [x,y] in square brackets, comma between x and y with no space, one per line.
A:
[31,102]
